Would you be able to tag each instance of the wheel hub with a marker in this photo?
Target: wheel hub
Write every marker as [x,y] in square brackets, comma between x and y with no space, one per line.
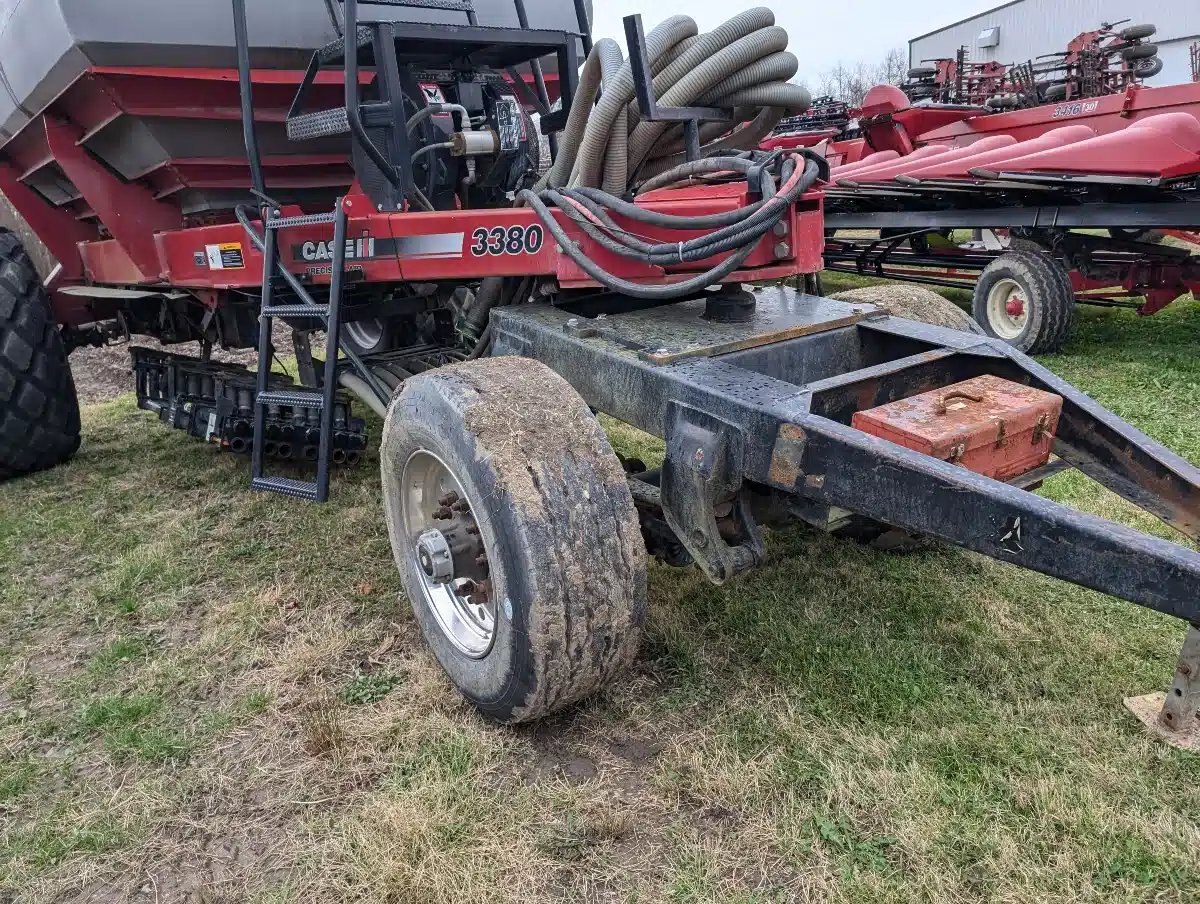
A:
[448,551]
[1007,309]
[435,557]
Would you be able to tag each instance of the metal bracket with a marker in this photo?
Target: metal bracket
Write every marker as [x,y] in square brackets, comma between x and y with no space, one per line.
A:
[1178,720]
[701,493]
[643,80]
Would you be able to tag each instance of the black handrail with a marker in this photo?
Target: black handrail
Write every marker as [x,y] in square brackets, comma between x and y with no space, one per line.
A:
[353,112]
[241,33]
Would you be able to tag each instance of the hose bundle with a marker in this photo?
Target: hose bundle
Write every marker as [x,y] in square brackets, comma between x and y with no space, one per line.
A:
[607,149]
[738,232]
[743,66]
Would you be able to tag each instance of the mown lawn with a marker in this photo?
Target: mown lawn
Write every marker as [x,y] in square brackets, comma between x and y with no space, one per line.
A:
[212,696]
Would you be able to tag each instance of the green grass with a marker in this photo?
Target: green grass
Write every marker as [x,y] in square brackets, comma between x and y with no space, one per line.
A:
[209,689]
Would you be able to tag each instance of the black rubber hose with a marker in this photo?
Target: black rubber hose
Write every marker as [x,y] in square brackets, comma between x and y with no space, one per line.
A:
[624,287]
[667,254]
[751,229]
[746,215]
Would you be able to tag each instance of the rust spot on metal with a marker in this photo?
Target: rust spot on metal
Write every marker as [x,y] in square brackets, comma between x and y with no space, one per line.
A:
[787,456]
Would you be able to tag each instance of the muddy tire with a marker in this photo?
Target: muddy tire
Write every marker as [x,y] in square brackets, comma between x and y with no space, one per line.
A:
[39,411]
[914,303]
[1026,299]
[515,534]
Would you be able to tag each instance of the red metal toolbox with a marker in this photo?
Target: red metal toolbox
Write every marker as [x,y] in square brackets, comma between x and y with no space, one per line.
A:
[988,425]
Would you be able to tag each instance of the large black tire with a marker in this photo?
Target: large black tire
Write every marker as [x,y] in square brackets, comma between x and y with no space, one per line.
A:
[1043,290]
[1137,32]
[1139,52]
[39,411]
[547,498]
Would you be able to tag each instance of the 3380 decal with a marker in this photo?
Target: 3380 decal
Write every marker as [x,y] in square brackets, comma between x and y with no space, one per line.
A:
[500,240]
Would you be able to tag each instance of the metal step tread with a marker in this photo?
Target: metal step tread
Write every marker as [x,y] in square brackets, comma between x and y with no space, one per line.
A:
[321,124]
[462,6]
[294,398]
[307,219]
[335,50]
[318,311]
[297,489]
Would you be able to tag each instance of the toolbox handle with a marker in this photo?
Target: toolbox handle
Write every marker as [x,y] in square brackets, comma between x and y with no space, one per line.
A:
[942,407]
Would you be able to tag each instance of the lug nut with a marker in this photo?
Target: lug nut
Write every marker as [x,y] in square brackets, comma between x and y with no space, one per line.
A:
[443,514]
[461,506]
[449,499]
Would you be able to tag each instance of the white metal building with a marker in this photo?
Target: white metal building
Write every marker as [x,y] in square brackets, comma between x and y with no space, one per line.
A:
[1024,29]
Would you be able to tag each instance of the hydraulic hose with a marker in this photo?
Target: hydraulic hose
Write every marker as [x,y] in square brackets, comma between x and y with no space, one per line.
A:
[740,238]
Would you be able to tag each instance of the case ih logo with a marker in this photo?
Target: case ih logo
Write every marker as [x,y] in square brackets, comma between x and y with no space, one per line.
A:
[356,250]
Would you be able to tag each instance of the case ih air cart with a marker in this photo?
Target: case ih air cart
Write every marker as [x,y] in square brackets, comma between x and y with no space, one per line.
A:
[388,198]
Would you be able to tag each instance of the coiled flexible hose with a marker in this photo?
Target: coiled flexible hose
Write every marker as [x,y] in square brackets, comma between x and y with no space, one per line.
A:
[742,65]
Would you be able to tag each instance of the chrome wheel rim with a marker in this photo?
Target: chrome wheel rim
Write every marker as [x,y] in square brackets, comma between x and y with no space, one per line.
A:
[1008,309]
[447,553]
[366,334]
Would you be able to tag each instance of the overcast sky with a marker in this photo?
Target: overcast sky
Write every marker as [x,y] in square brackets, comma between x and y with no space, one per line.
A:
[821,32]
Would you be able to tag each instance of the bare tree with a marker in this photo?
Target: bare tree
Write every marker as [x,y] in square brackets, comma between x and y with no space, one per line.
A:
[893,68]
[851,82]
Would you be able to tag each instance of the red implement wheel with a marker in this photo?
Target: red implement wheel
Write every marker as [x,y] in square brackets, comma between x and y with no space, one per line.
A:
[1026,299]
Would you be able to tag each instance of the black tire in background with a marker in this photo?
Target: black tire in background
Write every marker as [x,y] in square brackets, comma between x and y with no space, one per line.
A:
[1041,286]
[535,495]
[1055,93]
[1144,69]
[1139,52]
[39,411]
[1137,32]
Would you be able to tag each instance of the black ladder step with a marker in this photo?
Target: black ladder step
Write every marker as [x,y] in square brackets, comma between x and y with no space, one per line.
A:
[317,311]
[293,398]
[286,486]
[306,219]
[334,51]
[321,124]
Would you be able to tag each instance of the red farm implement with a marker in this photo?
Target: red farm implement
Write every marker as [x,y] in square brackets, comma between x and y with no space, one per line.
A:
[388,197]
[1093,183]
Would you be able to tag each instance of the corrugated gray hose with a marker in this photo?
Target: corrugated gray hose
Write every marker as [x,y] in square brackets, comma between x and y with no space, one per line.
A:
[742,65]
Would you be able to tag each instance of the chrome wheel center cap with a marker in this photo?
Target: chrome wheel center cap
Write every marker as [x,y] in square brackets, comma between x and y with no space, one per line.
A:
[435,557]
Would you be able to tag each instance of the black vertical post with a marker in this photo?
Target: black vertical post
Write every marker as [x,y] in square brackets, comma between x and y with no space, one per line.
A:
[539,76]
[332,343]
[241,33]
[266,353]
[585,27]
